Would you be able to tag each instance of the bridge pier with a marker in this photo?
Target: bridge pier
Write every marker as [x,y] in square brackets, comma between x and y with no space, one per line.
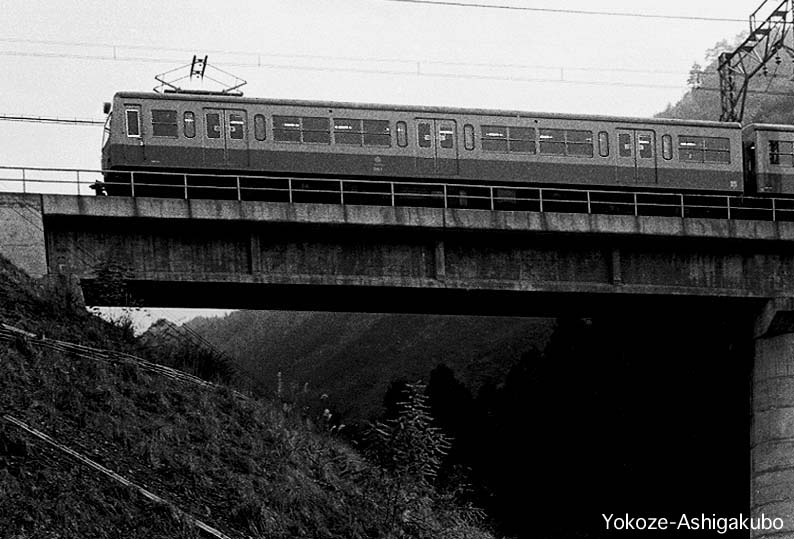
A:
[772,435]
[22,233]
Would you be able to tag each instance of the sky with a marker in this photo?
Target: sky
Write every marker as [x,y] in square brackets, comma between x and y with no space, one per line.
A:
[65,59]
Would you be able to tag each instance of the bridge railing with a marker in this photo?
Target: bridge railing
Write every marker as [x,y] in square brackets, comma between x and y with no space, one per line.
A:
[392,193]
[68,181]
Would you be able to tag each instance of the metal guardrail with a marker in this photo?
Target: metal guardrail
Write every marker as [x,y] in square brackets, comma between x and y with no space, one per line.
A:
[70,181]
[393,193]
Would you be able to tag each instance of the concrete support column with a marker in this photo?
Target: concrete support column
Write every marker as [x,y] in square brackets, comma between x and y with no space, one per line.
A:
[254,254]
[772,437]
[441,261]
[616,267]
[22,233]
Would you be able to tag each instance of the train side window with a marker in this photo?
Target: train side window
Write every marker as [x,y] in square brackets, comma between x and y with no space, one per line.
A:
[423,132]
[260,131]
[624,145]
[213,125]
[494,138]
[446,135]
[552,141]
[468,136]
[347,131]
[286,129]
[236,126]
[133,123]
[704,149]
[690,148]
[667,147]
[603,144]
[718,149]
[402,134]
[521,139]
[316,130]
[377,133]
[164,123]
[780,153]
[189,124]
[645,145]
[579,143]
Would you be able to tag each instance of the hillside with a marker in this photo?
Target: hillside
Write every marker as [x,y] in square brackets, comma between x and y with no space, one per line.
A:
[769,99]
[240,465]
[354,357]
[53,308]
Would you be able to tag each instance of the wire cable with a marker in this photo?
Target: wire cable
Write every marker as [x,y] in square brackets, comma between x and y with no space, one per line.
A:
[49,119]
[419,73]
[568,11]
[114,48]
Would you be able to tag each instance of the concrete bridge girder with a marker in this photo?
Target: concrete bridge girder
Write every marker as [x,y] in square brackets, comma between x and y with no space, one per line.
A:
[383,250]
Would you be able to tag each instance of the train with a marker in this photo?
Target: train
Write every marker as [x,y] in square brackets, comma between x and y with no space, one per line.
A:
[224,135]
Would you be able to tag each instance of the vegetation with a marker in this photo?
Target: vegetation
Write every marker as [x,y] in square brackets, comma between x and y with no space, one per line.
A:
[241,465]
[769,101]
[54,309]
[353,357]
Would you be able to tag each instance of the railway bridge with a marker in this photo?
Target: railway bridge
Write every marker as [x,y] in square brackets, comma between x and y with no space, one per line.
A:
[310,256]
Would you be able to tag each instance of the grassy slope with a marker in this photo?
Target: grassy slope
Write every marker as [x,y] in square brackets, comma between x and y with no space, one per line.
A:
[53,311]
[239,465]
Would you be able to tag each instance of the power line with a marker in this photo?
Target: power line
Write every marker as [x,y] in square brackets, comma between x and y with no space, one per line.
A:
[49,119]
[403,72]
[758,92]
[568,11]
[114,48]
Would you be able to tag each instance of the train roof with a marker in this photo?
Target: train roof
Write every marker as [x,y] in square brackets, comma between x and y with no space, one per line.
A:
[203,97]
[769,127]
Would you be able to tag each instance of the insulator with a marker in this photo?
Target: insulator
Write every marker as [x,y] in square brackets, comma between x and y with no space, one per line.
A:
[778,60]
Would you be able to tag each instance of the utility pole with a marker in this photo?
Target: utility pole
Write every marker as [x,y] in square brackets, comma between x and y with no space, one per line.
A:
[765,42]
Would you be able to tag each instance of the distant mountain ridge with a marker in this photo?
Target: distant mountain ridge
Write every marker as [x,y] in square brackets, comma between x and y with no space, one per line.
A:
[352,357]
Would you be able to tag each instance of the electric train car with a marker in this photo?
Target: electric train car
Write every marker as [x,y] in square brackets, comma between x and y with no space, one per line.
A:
[220,134]
[769,159]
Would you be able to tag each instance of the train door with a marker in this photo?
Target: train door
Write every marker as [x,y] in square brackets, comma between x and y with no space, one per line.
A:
[437,147]
[636,161]
[226,143]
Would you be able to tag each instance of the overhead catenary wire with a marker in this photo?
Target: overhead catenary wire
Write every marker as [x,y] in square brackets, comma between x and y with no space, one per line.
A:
[450,3]
[49,119]
[419,73]
[114,48]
